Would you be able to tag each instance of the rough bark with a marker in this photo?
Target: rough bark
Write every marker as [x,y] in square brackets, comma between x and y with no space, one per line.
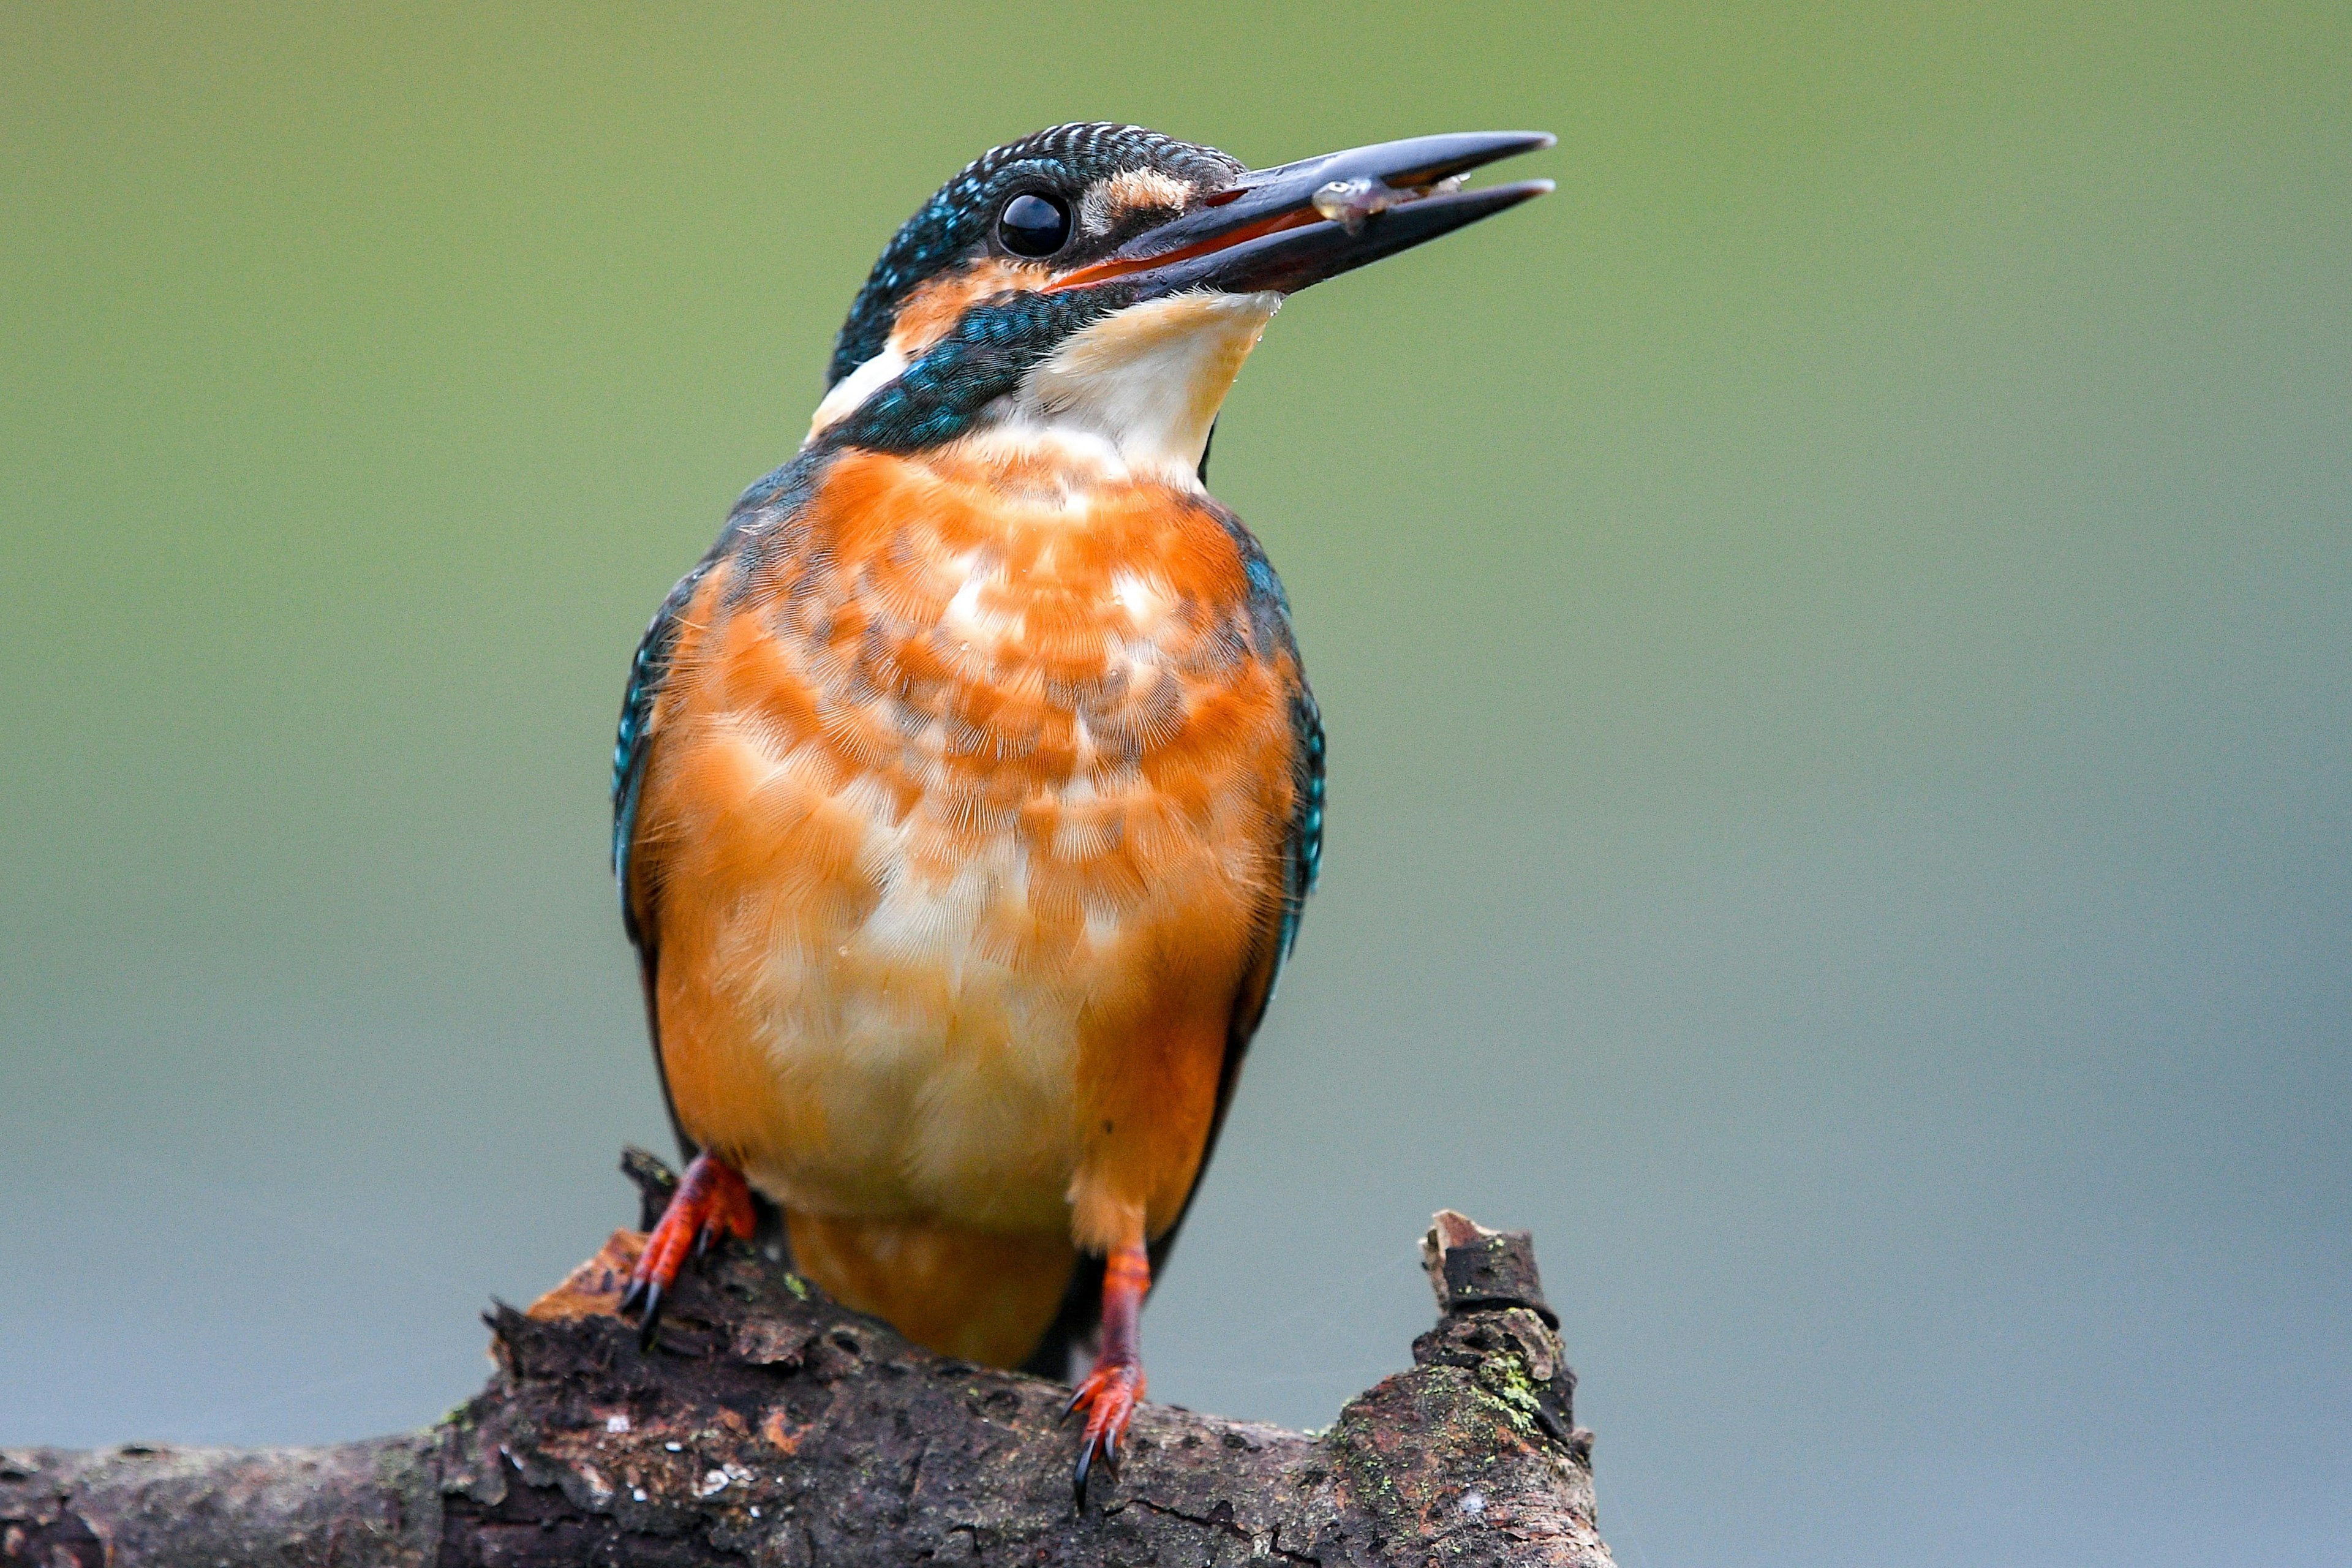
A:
[771,1426]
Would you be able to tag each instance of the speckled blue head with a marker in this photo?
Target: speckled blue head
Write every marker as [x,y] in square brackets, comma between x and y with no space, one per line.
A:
[957,227]
[1040,243]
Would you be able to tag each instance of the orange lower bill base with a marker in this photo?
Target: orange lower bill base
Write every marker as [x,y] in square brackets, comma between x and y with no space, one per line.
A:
[1115,1385]
[1104,272]
[712,1199]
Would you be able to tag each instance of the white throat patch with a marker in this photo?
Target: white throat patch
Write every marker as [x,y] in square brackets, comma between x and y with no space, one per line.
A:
[1148,380]
[1139,388]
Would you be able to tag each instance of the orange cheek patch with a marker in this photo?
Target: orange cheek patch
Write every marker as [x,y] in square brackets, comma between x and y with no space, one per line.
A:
[926,314]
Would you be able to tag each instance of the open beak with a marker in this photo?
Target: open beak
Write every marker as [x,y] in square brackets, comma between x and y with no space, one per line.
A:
[1284,228]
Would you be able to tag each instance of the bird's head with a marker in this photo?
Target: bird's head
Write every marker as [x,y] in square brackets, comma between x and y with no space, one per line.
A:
[1100,286]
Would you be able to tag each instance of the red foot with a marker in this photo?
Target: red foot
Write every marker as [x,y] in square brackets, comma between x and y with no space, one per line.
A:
[1109,1396]
[1114,1388]
[711,1198]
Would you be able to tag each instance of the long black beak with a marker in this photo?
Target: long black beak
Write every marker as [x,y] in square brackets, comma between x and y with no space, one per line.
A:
[1286,228]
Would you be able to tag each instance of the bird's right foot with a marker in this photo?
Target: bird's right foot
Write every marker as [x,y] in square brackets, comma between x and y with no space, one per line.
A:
[711,1200]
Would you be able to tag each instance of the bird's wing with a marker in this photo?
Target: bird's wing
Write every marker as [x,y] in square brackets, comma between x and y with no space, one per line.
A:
[632,751]
[1277,933]
[1302,847]
[1302,858]
[759,523]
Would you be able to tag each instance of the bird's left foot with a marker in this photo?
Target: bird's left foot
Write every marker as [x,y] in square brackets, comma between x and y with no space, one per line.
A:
[1114,1388]
[1109,1396]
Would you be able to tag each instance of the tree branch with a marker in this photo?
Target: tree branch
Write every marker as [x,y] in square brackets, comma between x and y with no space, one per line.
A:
[771,1426]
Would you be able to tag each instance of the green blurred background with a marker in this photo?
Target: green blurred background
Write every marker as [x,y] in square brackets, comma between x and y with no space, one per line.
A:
[1836,630]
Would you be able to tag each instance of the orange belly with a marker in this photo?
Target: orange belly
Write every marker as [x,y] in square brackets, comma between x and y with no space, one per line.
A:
[961,836]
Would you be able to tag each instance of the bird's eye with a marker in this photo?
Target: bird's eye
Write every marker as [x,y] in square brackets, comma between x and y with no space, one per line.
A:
[1033,225]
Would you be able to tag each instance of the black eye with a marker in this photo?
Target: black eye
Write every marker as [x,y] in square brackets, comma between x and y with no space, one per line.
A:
[1033,225]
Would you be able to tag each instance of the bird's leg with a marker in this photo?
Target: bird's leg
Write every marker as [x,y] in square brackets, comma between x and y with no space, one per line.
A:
[1112,1391]
[711,1199]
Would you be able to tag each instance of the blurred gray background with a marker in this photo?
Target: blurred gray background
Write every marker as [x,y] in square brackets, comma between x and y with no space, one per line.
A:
[1836,629]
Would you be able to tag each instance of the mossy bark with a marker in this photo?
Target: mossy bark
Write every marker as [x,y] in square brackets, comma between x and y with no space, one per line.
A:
[771,1426]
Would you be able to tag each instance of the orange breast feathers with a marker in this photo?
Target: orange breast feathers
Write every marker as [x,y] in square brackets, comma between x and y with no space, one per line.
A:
[962,832]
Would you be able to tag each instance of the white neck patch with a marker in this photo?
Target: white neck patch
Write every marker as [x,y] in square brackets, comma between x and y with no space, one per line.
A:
[853,389]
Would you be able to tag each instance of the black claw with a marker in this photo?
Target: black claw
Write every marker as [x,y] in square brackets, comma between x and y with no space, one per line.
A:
[1071,1404]
[651,1327]
[1085,1463]
[702,1240]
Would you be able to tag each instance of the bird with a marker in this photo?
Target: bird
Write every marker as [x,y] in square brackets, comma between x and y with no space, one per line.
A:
[968,791]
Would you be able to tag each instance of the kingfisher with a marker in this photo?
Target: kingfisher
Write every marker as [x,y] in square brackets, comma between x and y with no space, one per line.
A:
[969,790]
